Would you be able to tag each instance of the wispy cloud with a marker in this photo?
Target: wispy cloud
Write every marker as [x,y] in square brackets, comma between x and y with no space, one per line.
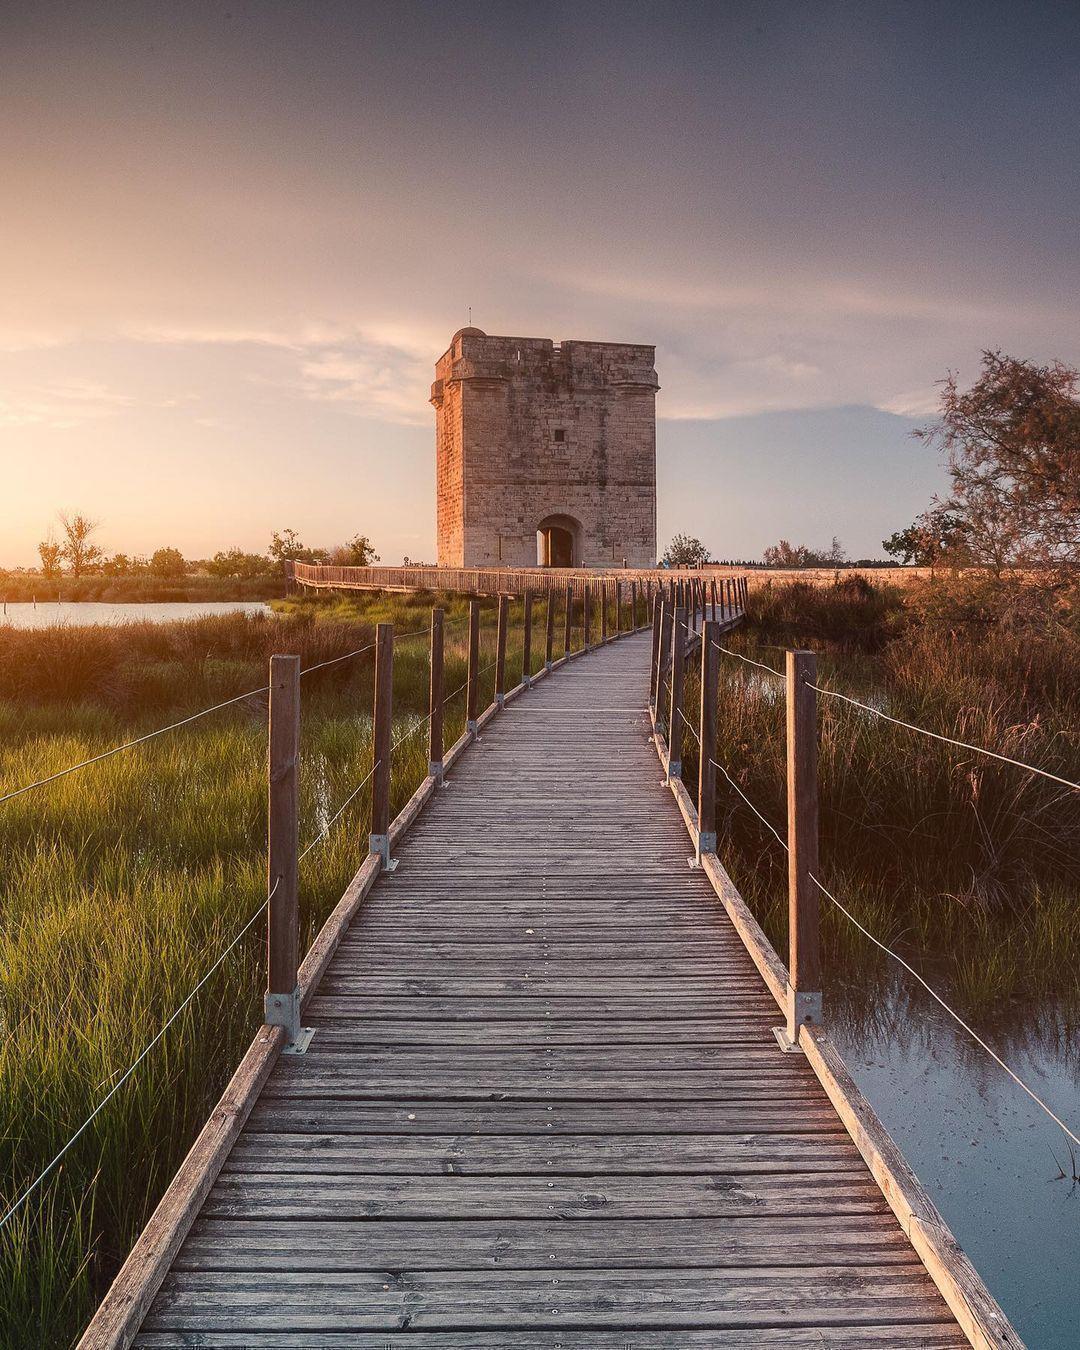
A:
[63,404]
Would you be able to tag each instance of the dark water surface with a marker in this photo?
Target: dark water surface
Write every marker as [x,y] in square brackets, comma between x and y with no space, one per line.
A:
[986,1153]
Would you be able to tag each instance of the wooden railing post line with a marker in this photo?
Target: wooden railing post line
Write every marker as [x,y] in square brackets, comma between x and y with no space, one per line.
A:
[663,653]
[472,688]
[549,630]
[435,700]
[678,673]
[804,959]
[568,619]
[657,610]
[381,725]
[500,650]
[710,688]
[282,1002]
[586,617]
[526,640]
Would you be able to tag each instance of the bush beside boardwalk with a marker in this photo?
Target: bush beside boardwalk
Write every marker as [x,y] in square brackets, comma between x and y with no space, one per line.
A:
[969,864]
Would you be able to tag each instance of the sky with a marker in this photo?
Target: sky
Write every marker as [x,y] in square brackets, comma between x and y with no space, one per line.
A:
[235,238]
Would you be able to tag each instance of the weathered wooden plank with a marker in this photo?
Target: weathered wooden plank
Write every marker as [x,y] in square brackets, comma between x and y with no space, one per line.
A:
[469,1244]
[339,1054]
[342,1195]
[500,1117]
[753,1005]
[921,1336]
[436,1031]
[523,1085]
[567,1155]
[706,1296]
[539,986]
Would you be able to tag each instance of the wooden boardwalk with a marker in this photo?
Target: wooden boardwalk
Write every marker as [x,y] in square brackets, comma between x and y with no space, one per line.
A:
[544,1106]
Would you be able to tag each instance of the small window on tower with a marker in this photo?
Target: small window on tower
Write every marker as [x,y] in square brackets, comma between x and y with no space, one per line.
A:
[560,434]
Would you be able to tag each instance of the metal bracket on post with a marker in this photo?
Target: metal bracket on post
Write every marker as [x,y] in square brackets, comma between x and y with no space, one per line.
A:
[706,843]
[283,1010]
[803,1009]
[380,844]
[435,770]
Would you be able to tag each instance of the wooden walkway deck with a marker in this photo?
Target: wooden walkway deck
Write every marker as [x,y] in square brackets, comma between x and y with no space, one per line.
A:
[544,1106]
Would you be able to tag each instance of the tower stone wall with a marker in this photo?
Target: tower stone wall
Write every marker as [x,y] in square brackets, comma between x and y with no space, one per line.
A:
[533,435]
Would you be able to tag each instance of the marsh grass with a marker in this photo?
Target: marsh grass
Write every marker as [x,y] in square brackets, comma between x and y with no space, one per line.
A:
[969,866]
[123,882]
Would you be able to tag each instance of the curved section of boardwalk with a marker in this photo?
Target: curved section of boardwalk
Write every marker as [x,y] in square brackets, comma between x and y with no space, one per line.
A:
[544,1106]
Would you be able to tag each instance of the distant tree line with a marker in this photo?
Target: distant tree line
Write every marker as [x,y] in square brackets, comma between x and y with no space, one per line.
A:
[76,553]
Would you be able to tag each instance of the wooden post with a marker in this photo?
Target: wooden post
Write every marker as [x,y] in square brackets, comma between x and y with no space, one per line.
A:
[710,687]
[804,956]
[618,608]
[713,585]
[282,1002]
[678,672]
[586,619]
[663,653]
[500,651]
[568,619]
[658,605]
[633,607]
[472,688]
[381,719]
[603,611]
[435,700]
[549,629]
[526,640]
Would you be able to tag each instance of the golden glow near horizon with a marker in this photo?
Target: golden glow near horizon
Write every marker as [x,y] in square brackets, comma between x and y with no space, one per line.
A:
[235,241]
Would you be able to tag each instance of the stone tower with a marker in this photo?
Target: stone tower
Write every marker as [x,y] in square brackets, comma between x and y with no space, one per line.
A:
[545,452]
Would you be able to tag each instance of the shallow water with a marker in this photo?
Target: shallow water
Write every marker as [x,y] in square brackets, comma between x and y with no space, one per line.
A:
[983,1150]
[80,613]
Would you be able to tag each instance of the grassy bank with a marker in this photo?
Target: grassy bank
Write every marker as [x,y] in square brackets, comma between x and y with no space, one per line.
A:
[19,587]
[123,882]
[971,865]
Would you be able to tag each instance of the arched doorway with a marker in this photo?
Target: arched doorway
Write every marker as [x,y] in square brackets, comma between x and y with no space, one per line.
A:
[557,541]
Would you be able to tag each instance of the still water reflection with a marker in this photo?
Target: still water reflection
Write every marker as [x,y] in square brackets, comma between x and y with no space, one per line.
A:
[989,1158]
[80,613]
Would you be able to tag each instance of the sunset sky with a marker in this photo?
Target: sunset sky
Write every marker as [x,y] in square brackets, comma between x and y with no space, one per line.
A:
[235,238]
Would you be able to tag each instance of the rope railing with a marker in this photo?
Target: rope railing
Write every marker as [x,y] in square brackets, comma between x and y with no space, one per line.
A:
[172,726]
[905,964]
[947,740]
[328,827]
[48,1168]
[130,745]
[668,712]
